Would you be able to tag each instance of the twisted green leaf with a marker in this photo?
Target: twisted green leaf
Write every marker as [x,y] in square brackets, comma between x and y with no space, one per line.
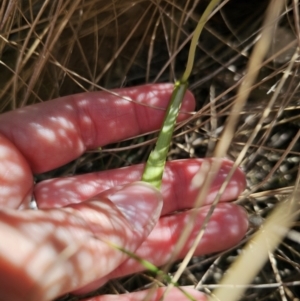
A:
[156,162]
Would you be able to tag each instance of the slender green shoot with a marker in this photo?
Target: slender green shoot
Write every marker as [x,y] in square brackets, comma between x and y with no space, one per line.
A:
[152,268]
[196,35]
[154,168]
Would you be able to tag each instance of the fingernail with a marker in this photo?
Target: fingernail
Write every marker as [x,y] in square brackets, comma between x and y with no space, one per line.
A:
[140,203]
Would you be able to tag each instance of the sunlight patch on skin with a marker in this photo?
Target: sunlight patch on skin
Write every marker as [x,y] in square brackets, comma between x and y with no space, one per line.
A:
[140,97]
[234,229]
[86,120]
[5,191]
[69,107]
[47,134]
[85,260]
[63,122]
[81,101]
[12,235]
[87,189]
[50,271]
[231,189]
[152,98]
[63,182]
[54,290]
[10,170]
[200,177]
[11,178]
[165,87]
[136,209]
[192,169]
[95,211]
[4,152]
[64,133]
[45,250]
[152,92]
[10,195]
[63,129]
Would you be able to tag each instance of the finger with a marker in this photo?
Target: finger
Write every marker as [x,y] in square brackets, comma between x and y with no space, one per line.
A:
[227,226]
[225,229]
[176,188]
[16,181]
[64,249]
[155,295]
[55,132]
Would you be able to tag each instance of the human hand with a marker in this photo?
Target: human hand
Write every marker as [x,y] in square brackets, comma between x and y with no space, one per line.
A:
[65,245]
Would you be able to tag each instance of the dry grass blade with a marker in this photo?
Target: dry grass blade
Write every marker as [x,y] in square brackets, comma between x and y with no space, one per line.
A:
[256,252]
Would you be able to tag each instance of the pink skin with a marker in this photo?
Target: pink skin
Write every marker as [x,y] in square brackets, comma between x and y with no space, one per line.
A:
[154,295]
[64,246]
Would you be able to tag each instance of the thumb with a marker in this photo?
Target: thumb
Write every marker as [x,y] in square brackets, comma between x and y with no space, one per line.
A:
[139,205]
[64,249]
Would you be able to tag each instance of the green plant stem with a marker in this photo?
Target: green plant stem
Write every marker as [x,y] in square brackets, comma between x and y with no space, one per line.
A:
[156,162]
[154,168]
[196,36]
